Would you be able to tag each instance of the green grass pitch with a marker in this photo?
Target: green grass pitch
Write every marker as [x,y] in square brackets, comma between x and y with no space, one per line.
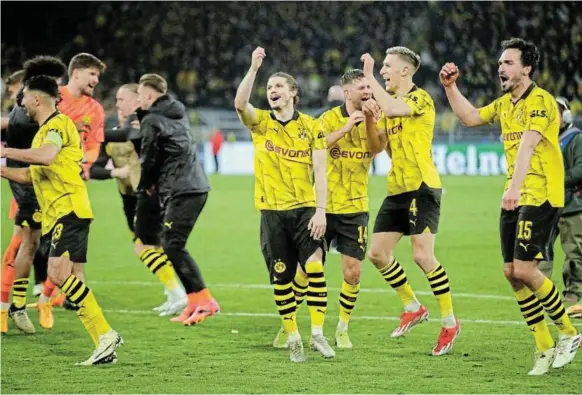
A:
[232,353]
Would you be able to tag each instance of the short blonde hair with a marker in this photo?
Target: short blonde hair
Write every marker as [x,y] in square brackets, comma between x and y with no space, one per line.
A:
[154,81]
[15,78]
[405,54]
[132,87]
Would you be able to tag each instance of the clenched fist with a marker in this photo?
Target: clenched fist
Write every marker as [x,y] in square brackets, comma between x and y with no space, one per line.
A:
[368,67]
[449,74]
[370,107]
[257,58]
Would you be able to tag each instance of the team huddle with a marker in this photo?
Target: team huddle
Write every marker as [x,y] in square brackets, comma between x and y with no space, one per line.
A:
[311,187]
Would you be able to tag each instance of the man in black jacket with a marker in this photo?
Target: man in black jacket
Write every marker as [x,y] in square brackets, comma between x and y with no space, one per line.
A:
[122,145]
[570,224]
[169,167]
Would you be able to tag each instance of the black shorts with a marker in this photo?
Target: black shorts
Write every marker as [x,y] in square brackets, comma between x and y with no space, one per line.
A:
[148,219]
[351,231]
[28,215]
[410,213]
[70,236]
[286,241]
[526,233]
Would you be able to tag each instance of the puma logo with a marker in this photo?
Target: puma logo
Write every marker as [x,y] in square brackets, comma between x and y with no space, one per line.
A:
[169,224]
[320,311]
[287,319]
[524,246]
[413,222]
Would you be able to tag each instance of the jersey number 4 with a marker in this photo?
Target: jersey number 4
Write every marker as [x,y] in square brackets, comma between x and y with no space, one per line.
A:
[413,208]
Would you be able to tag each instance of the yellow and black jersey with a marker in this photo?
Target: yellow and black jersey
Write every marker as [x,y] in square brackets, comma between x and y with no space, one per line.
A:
[410,142]
[59,188]
[283,160]
[536,110]
[348,163]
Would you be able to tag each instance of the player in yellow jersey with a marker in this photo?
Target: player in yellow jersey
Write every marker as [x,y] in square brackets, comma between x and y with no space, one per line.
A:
[288,153]
[348,164]
[412,207]
[534,192]
[55,173]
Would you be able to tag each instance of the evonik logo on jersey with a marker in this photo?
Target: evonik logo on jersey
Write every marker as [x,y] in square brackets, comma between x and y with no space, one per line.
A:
[336,153]
[287,152]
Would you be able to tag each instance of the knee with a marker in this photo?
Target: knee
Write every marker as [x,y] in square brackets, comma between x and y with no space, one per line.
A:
[352,271]
[59,269]
[379,257]
[508,273]
[423,258]
[522,272]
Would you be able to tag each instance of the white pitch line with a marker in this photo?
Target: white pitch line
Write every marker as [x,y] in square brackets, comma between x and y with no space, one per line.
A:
[267,286]
[365,318]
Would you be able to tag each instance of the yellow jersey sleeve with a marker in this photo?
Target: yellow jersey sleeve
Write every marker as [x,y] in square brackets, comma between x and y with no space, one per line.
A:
[490,113]
[417,102]
[319,136]
[254,125]
[539,113]
[322,124]
[382,125]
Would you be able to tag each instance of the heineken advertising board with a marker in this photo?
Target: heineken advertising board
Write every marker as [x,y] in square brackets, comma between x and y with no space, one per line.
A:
[454,159]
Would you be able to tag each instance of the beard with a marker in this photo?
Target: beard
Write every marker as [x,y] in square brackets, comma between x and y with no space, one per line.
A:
[510,85]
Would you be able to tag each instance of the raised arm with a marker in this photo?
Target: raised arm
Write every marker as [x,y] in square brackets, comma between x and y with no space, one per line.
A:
[465,111]
[392,107]
[377,139]
[244,108]
[19,175]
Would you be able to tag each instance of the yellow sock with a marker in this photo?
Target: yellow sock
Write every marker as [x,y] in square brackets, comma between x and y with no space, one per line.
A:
[19,289]
[157,261]
[347,300]
[394,275]
[316,294]
[300,283]
[533,312]
[550,298]
[89,311]
[439,283]
[287,307]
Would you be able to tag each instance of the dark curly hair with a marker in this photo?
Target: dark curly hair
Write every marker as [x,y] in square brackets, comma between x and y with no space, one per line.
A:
[530,56]
[44,65]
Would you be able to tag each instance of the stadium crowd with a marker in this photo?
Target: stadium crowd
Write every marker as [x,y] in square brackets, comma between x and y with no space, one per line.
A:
[200,48]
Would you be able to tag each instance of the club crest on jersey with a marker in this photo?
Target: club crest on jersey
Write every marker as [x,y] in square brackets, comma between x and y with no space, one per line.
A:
[302,134]
[86,120]
[519,116]
[37,216]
